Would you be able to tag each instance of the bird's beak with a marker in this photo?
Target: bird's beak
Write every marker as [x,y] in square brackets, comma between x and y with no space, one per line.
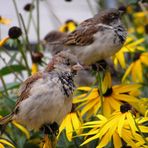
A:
[77,67]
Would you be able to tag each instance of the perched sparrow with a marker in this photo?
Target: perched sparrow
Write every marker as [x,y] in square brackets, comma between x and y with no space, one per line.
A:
[46,97]
[52,37]
[96,38]
[83,77]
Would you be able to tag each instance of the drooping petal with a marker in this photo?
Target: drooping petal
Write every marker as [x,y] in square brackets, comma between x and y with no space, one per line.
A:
[117,140]
[23,129]
[69,128]
[120,125]
[76,122]
[6,142]
[127,72]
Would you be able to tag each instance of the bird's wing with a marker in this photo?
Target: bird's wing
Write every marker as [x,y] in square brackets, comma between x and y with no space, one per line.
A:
[82,36]
[24,89]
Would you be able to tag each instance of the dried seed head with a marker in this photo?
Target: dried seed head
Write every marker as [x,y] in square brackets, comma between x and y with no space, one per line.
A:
[125,107]
[29,7]
[37,57]
[14,32]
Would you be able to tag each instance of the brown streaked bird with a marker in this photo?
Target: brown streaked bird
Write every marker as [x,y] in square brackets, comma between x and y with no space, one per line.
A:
[46,97]
[96,38]
[52,37]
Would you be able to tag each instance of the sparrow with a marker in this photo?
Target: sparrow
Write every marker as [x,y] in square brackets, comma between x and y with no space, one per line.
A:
[84,76]
[46,97]
[96,38]
[53,36]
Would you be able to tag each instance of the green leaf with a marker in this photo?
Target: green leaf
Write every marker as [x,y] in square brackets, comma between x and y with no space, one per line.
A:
[10,86]
[10,69]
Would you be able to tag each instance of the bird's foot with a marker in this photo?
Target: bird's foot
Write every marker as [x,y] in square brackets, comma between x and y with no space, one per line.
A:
[51,129]
[99,66]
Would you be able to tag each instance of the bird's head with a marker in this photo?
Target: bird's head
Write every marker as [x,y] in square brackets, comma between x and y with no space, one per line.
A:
[66,61]
[109,16]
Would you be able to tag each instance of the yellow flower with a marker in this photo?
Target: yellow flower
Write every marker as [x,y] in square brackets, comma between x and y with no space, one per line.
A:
[135,68]
[113,97]
[34,68]
[131,45]
[69,26]
[120,126]
[4,21]
[71,124]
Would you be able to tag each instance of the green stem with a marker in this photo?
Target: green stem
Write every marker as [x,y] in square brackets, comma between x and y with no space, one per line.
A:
[24,57]
[38,22]
[4,85]
[26,34]
[99,78]
[17,13]
[30,17]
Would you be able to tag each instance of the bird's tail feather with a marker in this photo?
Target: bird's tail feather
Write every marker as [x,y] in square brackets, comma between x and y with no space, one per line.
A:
[4,121]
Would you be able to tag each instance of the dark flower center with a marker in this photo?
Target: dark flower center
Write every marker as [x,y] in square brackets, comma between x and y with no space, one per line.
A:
[37,57]
[29,7]
[146,29]
[136,56]
[125,107]
[108,92]
[14,32]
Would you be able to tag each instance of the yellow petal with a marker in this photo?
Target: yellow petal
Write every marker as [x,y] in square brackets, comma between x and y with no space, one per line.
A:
[126,136]
[137,74]
[121,124]
[1,146]
[3,41]
[114,103]
[121,59]
[34,68]
[104,141]
[125,98]
[4,141]
[76,123]
[127,72]
[69,128]
[63,124]
[4,21]
[89,106]
[144,58]
[90,139]
[106,108]
[143,129]
[131,122]
[84,88]
[117,141]
[23,129]
[125,88]
[47,143]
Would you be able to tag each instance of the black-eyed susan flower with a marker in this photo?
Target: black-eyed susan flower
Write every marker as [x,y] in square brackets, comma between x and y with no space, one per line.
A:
[113,96]
[121,126]
[136,67]
[131,45]
[69,26]
[13,33]
[71,124]
[36,59]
